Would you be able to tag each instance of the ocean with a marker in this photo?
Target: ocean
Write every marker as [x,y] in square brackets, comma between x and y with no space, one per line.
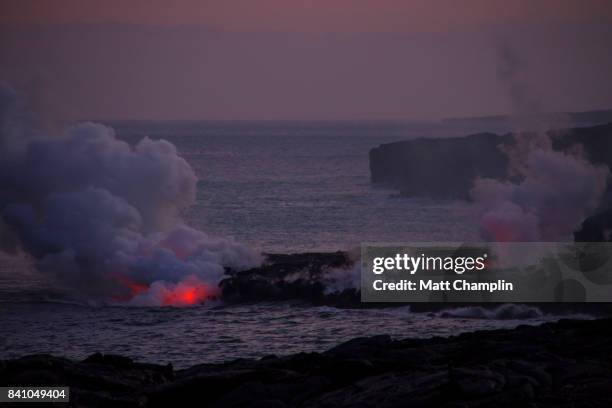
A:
[305,186]
[216,333]
[279,187]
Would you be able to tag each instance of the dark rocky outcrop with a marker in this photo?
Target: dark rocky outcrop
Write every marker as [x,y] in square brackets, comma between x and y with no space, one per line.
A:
[564,364]
[444,168]
[596,228]
[447,167]
[301,279]
[293,277]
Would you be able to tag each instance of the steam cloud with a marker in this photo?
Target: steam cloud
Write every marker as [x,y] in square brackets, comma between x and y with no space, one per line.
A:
[557,192]
[103,217]
[552,191]
[337,280]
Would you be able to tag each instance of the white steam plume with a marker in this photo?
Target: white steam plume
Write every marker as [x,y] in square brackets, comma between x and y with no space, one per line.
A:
[551,192]
[558,191]
[337,280]
[102,216]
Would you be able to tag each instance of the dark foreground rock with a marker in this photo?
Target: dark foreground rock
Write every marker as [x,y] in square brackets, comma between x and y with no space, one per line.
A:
[564,364]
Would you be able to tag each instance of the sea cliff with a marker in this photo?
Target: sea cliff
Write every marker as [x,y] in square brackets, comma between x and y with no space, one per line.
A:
[447,167]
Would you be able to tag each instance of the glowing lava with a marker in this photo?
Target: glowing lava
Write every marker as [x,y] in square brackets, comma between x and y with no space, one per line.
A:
[189,292]
[185,294]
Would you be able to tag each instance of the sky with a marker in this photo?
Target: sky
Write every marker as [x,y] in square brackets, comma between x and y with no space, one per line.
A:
[317,59]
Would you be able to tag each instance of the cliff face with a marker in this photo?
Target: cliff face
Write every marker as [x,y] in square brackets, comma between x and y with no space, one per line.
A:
[442,168]
[446,168]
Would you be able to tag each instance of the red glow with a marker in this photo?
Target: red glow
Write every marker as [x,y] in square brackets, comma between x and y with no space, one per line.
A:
[502,232]
[191,291]
[186,294]
[135,288]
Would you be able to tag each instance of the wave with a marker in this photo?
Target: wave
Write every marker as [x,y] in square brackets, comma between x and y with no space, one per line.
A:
[502,312]
[508,311]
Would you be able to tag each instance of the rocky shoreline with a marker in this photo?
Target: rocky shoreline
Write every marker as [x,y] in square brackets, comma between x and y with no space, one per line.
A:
[291,277]
[303,278]
[563,364]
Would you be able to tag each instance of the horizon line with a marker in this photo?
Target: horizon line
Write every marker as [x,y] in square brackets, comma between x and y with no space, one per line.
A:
[498,116]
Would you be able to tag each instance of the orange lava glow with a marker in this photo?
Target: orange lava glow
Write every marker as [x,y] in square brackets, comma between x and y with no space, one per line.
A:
[186,294]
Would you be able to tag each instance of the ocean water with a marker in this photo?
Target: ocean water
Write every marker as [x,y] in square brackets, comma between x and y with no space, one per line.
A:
[304,186]
[278,187]
[208,334]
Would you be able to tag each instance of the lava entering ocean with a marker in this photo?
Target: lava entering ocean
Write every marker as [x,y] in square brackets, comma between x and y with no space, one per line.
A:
[188,292]
[103,216]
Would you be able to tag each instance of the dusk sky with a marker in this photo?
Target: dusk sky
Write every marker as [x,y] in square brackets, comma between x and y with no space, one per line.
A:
[319,59]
